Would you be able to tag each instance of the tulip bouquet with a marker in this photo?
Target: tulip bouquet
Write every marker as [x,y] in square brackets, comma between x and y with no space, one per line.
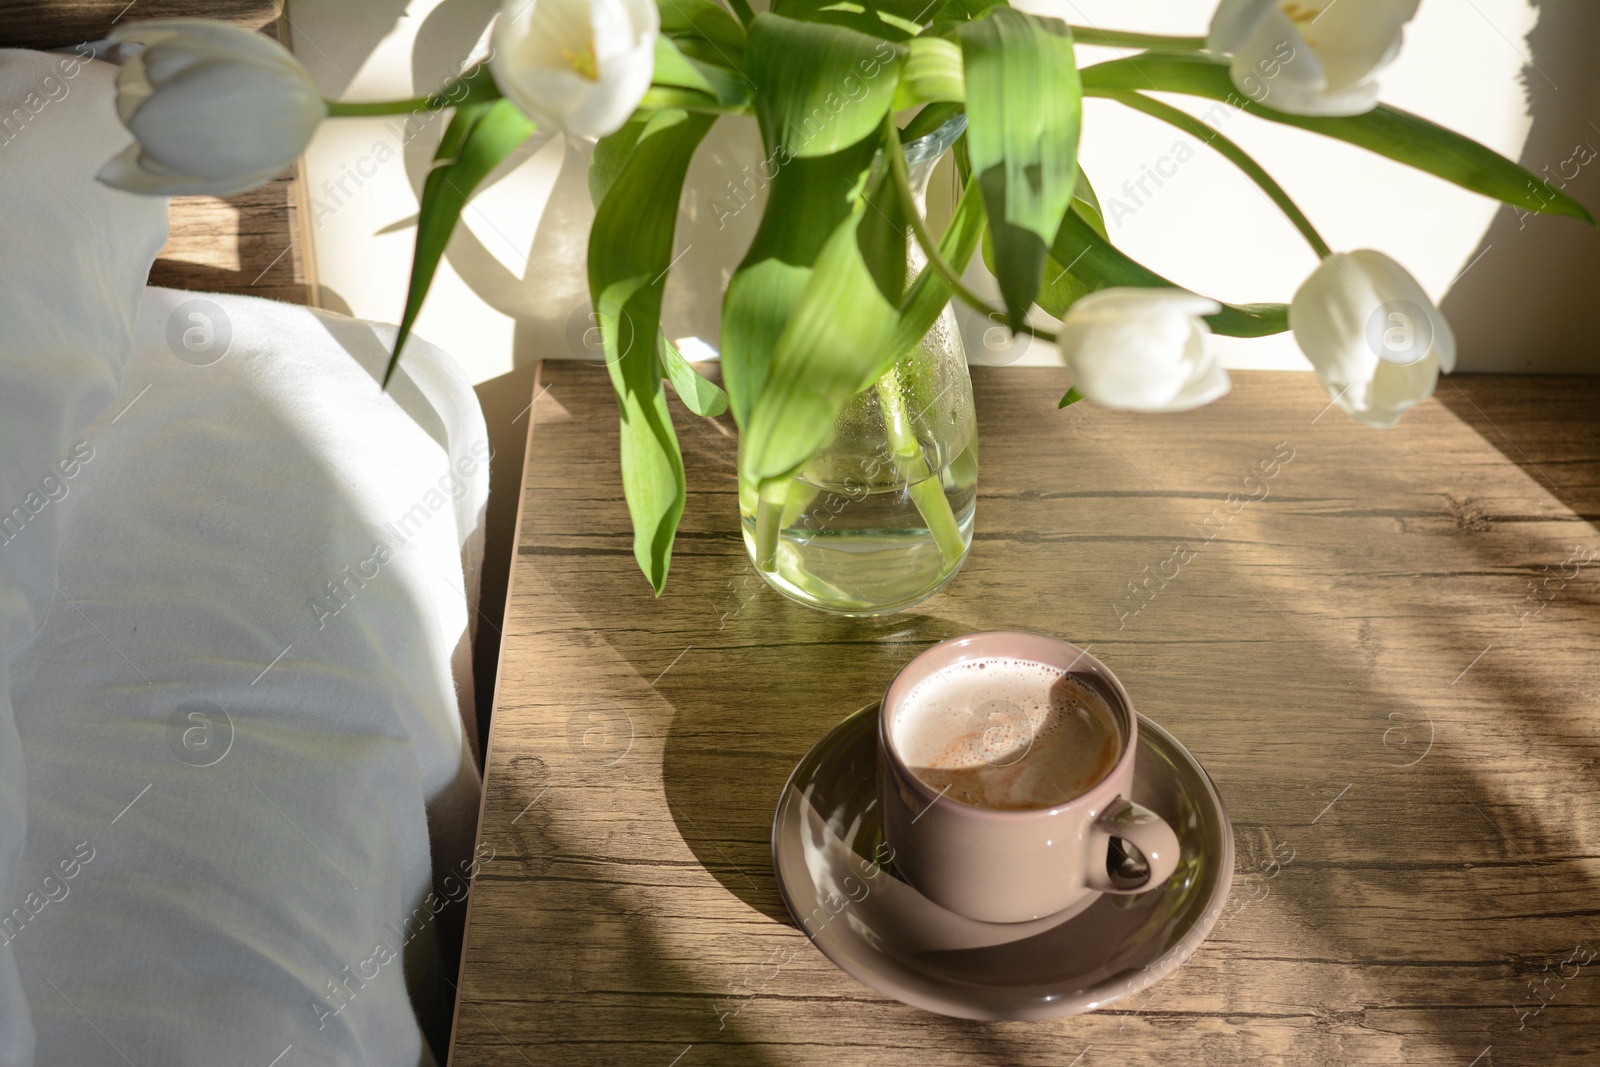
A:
[829,296]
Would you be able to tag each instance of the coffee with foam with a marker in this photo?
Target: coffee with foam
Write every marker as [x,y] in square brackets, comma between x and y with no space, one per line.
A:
[1007,734]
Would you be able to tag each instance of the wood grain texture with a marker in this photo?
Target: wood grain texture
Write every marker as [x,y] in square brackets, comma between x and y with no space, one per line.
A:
[63,23]
[249,243]
[1382,659]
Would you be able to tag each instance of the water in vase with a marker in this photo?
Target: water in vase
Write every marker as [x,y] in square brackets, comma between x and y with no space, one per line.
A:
[873,530]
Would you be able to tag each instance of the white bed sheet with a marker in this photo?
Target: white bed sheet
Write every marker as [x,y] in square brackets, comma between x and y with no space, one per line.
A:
[250,786]
[74,256]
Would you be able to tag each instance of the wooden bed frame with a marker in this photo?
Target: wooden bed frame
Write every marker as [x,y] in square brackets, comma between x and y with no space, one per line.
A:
[250,243]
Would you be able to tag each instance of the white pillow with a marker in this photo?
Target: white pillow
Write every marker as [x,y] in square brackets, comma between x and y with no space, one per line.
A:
[243,720]
[74,256]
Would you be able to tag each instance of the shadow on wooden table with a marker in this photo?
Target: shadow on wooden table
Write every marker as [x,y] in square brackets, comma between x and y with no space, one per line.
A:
[726,762]
[1549,426]
[1454,885]
[1453,872]
[1409,769]
[692,708]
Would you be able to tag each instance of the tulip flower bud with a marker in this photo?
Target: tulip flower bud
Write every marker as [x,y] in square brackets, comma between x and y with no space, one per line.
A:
[213,108]
[1376,340]
[1143,349]
[1310,57]
[582,65]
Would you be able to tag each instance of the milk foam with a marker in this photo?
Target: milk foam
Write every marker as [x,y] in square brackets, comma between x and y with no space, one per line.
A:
[1008,734]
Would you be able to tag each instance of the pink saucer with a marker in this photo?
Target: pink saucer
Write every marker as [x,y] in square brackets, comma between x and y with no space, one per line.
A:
[837,878]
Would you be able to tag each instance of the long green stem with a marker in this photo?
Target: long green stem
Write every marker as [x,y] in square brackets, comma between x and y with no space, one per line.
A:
[801,495]
[925,491]
[1232,152]
[925,238]
[1125,39]
[771,496]
[661,96]
[472,86]
[339,108]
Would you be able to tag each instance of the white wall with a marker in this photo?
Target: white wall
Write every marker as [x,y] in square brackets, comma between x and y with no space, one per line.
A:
[512,288]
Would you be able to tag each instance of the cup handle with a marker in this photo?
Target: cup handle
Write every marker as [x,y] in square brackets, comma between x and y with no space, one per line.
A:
[1147,832]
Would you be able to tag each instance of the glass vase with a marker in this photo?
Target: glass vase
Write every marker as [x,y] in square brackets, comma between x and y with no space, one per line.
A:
[881,518]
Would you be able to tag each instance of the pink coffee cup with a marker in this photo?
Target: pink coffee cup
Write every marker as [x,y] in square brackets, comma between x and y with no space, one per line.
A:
[1017,865]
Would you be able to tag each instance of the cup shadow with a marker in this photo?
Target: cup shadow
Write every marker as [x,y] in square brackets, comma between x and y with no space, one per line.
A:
[725,764]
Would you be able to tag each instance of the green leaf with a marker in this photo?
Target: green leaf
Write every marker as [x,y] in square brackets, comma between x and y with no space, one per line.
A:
[479,136]
[943,17]
[630,251]
[610,153]
[691,83]
[1388,131]
[932,74]
[862,16]
[913,12]
[1091,263]
[1023,115]
[927,120]
[842,322]
[931,292]
[1086,204]
[806,201]
[820,88]
[692,23]
[847,330]
[699,395]
[475,86]
[1071,397]
[673,68]
[881,238]
[1061,288]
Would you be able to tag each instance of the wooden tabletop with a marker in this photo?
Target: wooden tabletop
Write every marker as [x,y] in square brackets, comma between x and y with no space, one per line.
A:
[1385,655]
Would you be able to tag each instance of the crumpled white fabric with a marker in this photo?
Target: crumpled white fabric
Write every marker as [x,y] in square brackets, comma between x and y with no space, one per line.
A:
[243,719]
[74,256]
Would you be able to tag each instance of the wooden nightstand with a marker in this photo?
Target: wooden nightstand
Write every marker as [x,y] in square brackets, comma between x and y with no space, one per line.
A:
[1386,659]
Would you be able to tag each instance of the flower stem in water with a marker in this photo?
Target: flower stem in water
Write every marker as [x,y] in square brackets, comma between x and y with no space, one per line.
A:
[925,490]
[773,493]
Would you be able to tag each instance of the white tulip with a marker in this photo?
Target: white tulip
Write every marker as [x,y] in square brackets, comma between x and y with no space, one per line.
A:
[214,108]
[1310,57]
[1375,339]
[582,65]
[1143,349]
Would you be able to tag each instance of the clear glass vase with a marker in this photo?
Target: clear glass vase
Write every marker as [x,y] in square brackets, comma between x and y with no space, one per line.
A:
[881,518]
